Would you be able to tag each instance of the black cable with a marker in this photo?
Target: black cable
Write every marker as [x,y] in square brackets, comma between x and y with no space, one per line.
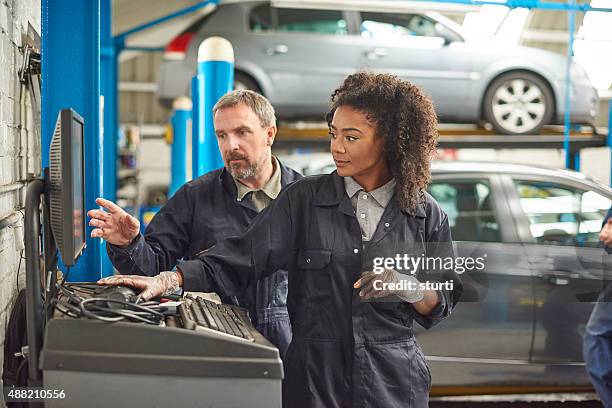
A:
[124,303]
[123,314]
[69,293]
[19,269]
[94,307]
[156,316]
[20,367]
[71,313]
[21,258]
[92,315]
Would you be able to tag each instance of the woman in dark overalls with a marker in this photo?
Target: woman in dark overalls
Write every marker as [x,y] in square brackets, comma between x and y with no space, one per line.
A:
[353,343]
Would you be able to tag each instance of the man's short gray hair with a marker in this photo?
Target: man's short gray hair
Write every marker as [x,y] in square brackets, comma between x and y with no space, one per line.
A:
[256,102]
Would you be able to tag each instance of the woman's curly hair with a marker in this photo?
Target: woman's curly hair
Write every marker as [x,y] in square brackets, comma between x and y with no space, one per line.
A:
[405,117]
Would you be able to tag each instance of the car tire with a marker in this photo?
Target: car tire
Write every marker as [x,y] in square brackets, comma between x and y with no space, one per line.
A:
[518,103]
[243,81]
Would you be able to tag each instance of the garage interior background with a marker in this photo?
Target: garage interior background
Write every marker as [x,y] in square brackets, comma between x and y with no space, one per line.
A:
[138,75]
[20,140]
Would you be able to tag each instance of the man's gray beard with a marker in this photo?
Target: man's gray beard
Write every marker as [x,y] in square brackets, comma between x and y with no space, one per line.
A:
[246,173]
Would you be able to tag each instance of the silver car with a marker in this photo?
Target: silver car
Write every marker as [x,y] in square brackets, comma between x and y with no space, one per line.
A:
[520,323]
[296,57]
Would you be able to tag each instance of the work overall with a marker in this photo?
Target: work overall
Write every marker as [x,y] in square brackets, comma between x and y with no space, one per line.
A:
[344,352]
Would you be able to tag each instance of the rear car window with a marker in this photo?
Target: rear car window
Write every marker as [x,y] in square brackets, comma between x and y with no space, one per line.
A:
[265,18]
[469,207]
[261,18]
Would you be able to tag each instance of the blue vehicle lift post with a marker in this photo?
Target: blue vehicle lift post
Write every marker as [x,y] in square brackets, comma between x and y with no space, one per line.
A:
[78,46]
[71,53]
[181,126]
[214,78]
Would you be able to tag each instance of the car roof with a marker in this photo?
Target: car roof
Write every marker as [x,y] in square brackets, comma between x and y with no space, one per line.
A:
[458,166]
[398,6]
[509,168]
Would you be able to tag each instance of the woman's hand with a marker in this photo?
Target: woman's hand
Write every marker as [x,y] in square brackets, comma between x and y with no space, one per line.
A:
[163,284]
[377,285]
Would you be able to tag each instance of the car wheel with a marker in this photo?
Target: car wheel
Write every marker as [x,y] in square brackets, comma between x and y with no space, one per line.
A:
[243,81]
[518,103]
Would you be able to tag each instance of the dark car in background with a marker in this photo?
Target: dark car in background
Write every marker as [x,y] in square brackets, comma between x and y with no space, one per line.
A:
[520,323]
[297,56]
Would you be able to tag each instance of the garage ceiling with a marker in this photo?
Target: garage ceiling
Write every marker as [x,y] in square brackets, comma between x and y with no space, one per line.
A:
[128,14]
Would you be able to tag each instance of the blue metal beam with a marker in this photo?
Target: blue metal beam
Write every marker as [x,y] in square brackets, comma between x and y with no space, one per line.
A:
[108,90]
[530,4]
[181,131]
[609,137]
[214,78]
[197,127]
[568,87]
[71,79]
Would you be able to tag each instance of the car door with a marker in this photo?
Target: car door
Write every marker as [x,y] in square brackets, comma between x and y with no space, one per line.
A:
[491,328]
[305,54]
[559,221]
[419,49]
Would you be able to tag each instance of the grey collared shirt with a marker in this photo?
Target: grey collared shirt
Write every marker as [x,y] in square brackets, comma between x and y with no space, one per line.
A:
[369,206]
[261,198]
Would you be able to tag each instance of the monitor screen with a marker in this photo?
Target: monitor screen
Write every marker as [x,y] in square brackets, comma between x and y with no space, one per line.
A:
[77,186]
[67,186]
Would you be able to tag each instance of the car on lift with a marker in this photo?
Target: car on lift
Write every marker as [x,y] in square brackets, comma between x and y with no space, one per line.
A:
[521,320]
[297,56]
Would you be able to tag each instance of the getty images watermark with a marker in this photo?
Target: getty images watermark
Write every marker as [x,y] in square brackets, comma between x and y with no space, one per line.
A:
[430,270]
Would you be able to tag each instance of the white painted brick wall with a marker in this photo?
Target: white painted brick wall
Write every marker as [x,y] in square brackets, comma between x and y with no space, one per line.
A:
[19,148]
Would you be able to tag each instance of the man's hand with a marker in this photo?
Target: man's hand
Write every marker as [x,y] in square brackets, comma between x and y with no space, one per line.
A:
[163,284]
[377,285]
[605,236]
[114,225]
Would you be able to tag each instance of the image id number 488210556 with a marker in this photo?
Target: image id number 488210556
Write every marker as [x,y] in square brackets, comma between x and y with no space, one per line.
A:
[31,394]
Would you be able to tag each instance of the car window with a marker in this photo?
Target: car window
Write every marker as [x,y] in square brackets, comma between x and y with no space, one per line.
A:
[312,21]
[562,215]
[469,207]
[262,19]
[388,25]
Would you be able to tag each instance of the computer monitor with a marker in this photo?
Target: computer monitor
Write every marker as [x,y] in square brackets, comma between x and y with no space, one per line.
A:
[67,188]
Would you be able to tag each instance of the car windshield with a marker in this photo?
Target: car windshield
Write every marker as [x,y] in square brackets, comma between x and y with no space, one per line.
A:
[388,25]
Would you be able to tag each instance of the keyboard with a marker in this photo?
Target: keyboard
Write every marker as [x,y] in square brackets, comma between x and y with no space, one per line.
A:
[198,313]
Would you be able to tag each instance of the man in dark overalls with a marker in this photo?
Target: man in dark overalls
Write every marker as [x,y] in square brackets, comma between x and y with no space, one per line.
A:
[212,207]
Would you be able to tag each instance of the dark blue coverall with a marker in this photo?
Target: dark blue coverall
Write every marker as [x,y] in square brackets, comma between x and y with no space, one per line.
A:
[597,345]
[344,352]
[201,213]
